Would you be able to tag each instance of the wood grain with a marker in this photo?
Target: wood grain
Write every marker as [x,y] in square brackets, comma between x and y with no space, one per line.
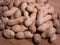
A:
[3,41]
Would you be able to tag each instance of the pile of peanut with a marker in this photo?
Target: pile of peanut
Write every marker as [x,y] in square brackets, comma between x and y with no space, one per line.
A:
[28,19]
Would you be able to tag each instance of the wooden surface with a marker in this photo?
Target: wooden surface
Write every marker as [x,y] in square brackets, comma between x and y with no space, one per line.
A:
[4,41]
